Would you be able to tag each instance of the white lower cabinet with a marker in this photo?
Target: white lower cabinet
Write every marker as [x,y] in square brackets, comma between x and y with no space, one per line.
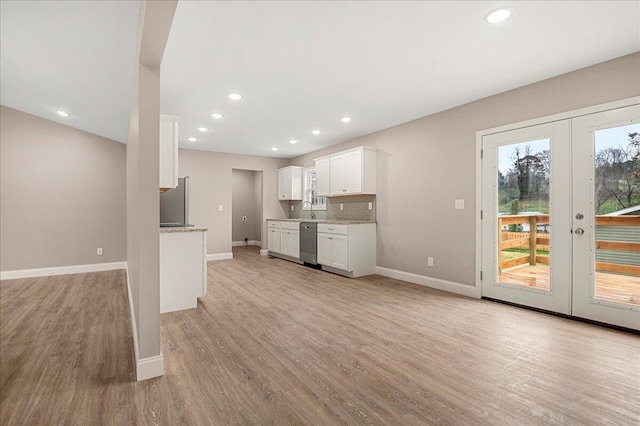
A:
[333,250]
[348,250]
[284,238]
[273,240]
[183,269]
[290,243]
[345,249]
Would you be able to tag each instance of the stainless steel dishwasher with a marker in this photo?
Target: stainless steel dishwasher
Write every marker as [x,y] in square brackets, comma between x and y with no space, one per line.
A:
[309,242]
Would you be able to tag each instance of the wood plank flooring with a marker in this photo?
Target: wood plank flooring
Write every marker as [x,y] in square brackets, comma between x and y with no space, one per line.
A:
[275,343]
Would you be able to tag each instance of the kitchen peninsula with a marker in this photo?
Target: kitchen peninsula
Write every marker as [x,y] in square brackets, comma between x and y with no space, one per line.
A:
[183,267]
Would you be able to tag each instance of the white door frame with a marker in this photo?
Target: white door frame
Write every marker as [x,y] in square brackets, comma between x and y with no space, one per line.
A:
[513,126]
[585,302]
[558,297]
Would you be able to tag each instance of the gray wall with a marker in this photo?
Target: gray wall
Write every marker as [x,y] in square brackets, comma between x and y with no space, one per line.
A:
[257,200]
[245,202]
[210,177]
[62,194]
[425,164]
[143,199]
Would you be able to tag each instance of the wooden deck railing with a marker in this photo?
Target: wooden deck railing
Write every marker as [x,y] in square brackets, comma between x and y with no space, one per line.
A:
[533,239]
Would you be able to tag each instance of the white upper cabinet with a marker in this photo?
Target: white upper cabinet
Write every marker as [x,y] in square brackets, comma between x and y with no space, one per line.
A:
[347,172]
[168,151]
[323,177]
[290,183]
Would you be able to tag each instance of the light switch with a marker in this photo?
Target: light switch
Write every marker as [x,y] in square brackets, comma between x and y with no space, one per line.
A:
[291,208]
[341,206]
[220,207]
[459,204]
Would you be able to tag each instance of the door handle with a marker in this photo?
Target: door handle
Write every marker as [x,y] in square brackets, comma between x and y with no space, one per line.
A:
[579,231]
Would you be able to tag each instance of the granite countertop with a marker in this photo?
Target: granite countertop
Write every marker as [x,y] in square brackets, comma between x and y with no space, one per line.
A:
[171,229]
[330,221]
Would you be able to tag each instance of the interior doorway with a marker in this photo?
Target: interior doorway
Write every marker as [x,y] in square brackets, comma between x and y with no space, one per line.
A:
[246,207]
[561,216]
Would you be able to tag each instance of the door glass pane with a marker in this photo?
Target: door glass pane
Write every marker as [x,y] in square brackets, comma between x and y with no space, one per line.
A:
[617,214]
[523,214]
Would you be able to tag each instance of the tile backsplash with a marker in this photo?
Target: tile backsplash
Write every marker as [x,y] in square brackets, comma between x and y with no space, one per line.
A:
[355,207]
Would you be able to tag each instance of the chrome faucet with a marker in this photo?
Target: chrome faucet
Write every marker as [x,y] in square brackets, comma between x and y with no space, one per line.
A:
[312,214]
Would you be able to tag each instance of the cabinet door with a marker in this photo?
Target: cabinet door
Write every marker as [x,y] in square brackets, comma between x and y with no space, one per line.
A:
[168,152]
[323,178]
[353,172]
[284,184]
[338,183]
[290,243]
[324,249]
[285,242]
[340,252]
[273,243]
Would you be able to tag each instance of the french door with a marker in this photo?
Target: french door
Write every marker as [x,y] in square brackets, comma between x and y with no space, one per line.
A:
[561,216]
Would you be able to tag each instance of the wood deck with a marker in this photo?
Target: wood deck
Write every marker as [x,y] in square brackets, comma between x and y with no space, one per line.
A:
[609,287]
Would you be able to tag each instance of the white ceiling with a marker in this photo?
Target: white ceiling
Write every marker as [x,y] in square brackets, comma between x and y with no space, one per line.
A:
[76,56]
[299,65]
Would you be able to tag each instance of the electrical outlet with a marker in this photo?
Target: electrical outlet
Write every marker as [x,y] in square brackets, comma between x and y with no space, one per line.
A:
[459,204]
[430,261]
[244,218]
[291,208]
[370,206]
[341,206]
[220,207]
[99,251]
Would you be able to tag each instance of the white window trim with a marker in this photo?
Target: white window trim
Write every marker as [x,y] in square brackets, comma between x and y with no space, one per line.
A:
[305,193]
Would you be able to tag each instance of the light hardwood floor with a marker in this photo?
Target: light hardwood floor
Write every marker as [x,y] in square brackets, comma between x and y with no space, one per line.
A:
[276,343]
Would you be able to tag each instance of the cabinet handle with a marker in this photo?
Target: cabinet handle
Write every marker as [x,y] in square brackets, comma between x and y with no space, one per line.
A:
[331,229]
[330,238]
[344,190]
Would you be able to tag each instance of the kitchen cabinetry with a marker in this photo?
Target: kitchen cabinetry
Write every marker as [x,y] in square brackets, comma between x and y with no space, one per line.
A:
[183,268]
[290,239]
[284,238]
[290,183]
[323,177]
[168,152]
[347,172]
[273,237]
[348,250]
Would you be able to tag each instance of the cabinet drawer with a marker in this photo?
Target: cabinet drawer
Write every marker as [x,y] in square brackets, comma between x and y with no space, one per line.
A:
[274,224]
[328,228]
[290,225]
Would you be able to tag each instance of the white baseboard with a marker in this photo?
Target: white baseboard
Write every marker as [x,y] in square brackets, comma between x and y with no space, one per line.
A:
[148,368]
[437,283]
[61,270]
[219,256]
[250,243]
[264,252]
[134,327]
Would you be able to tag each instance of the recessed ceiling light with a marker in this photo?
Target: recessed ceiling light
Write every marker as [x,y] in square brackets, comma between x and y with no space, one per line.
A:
[217,115]
[234,96]
[275,148]
[192,139]
[202,129]
[292,141]
[345,119]
[498,15]
[315,132]
[63,114]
